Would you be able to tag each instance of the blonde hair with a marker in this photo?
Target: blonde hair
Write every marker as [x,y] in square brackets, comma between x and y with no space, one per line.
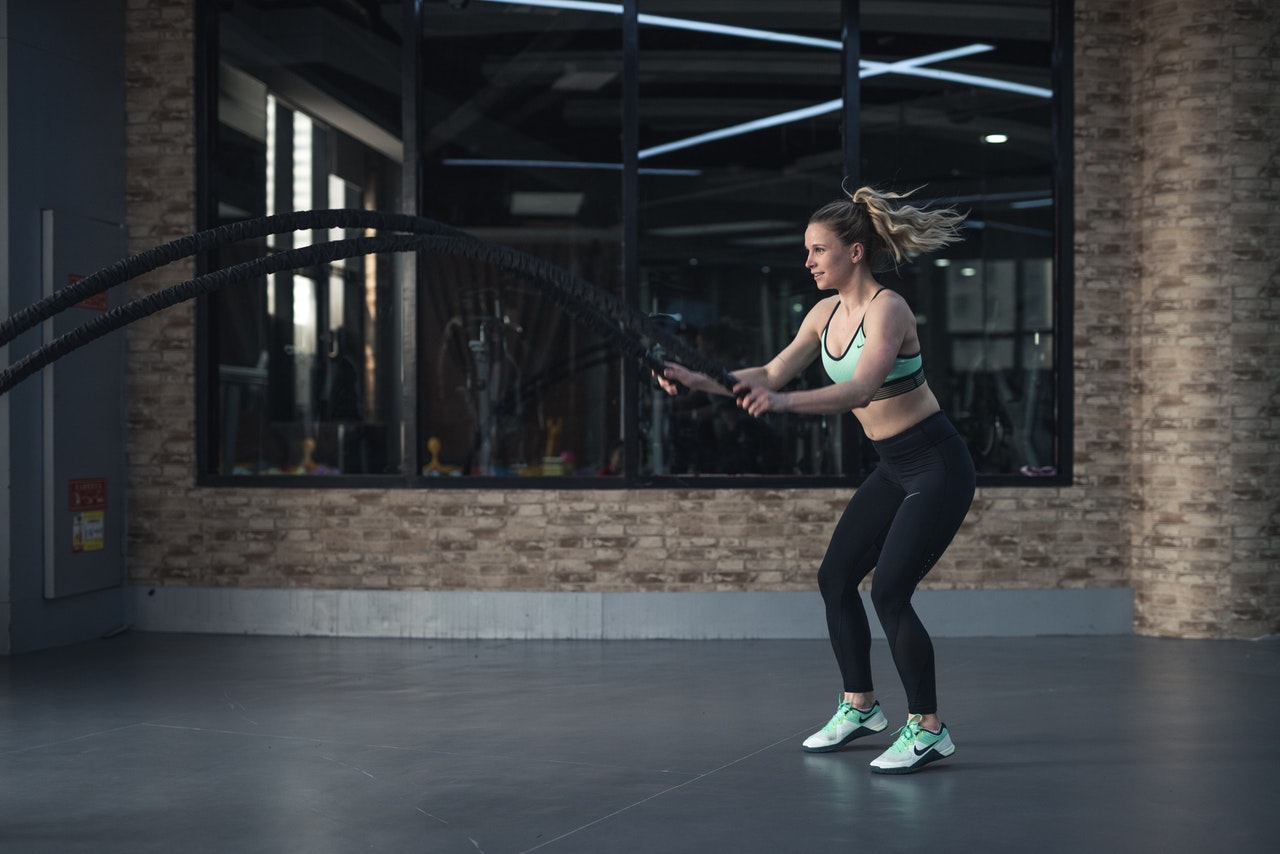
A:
[890,231]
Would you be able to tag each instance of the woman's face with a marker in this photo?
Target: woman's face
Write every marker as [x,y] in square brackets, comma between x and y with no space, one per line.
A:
[829,261]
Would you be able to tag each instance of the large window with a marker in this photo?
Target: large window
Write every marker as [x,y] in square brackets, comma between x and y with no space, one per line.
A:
[668,151]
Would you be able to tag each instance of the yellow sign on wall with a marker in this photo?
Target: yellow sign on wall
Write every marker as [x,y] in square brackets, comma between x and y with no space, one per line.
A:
[88,531]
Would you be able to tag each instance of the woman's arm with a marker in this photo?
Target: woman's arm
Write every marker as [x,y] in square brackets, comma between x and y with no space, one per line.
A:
[779,370]
[885,326]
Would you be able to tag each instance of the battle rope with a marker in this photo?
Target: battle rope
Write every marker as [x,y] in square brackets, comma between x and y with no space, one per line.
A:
[204,241]
[634,332]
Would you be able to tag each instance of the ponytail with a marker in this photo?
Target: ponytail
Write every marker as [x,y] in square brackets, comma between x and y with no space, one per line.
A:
[891,232]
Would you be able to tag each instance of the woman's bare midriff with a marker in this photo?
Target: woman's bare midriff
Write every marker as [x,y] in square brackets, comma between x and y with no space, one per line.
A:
[882,419]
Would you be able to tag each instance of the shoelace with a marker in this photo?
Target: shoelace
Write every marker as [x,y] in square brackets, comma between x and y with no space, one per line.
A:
[908,734]
[842,712]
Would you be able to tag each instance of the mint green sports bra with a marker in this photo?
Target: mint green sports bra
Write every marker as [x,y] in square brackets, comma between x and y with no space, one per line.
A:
[907,373]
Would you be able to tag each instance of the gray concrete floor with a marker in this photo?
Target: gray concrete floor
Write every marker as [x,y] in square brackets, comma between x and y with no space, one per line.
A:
[181,743]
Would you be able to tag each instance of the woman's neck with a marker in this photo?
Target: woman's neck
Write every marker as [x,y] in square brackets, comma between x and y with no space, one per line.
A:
[857,293]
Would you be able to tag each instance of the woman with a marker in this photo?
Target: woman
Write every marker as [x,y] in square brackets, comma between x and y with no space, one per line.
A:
[906,513]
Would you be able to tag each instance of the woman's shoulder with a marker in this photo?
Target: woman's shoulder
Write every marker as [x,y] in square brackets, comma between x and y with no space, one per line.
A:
[886,295]
[825,306]
[887,301]
[889,313]
[821,312]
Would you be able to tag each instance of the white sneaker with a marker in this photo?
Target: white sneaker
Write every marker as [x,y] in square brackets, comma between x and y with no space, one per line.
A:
[914,748]
[847,724]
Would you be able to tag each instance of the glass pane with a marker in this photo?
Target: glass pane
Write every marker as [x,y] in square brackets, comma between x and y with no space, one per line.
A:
[308,118]
[522,147]
[959,105]
[740,140]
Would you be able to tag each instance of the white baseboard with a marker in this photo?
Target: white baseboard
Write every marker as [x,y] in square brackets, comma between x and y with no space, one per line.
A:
[609,616]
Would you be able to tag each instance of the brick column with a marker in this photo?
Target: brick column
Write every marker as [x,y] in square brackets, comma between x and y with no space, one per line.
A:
[160,180]
[1205,117]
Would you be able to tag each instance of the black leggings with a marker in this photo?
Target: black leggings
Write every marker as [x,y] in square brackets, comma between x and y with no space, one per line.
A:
[898,522]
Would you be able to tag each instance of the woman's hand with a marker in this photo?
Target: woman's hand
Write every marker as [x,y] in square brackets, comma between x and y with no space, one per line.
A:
[757,400]
[677,374]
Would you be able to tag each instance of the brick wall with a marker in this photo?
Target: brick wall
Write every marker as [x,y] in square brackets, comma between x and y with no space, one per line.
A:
[1175,482]
[1205,119]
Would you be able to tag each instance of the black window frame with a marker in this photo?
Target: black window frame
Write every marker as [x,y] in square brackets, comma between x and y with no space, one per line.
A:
[206,154]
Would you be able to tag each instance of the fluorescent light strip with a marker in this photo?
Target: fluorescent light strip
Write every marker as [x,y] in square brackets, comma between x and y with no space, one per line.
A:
[904,67]
[974,80]
[745,127]
[979,225]
[870,68]
[561,164]
[874,69]
[721,228]
[991,197]
[678,23]
[576,5]
[740,32]
[792,239]
[909,67]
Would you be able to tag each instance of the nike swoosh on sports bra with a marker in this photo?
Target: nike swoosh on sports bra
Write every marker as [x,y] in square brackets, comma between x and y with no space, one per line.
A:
[907,373]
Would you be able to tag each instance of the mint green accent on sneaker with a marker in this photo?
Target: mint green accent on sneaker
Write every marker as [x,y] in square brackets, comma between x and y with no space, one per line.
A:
[914,748]
[845,725]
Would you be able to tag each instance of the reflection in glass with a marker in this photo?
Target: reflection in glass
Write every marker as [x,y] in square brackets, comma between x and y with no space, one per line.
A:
[739,136]
[975,131]
[521,146]
[306,359]
[756,124]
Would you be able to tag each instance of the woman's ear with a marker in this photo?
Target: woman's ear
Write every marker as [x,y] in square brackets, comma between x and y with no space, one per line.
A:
[857,252]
